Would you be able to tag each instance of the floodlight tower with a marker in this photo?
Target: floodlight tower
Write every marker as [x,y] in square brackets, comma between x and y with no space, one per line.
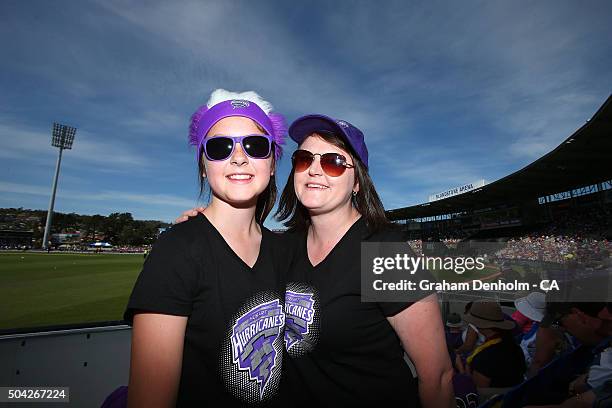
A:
[63,136]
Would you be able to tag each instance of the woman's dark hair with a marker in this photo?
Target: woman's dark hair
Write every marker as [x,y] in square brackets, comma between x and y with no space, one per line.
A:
[366,201]
[265,201]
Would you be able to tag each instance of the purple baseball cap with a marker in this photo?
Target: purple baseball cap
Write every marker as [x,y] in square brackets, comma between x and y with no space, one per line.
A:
[305,126]
[205,118]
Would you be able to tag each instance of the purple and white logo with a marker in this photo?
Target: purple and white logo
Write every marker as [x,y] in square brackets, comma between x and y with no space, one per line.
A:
[253,338]
[299,311]
[342,124]
[240,104]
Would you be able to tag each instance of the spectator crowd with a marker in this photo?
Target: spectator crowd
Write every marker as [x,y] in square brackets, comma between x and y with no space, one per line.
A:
[548,353]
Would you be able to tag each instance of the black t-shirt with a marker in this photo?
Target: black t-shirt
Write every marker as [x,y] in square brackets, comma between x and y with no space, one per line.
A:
[503,363]
[234,336]
[342,351]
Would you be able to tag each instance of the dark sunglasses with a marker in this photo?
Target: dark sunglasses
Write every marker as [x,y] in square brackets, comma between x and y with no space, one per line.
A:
[333,164]
[221,147]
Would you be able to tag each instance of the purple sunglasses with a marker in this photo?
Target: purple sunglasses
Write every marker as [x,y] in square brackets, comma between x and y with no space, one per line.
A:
[222,147]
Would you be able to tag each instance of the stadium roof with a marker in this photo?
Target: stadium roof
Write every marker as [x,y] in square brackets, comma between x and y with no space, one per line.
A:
[582,159]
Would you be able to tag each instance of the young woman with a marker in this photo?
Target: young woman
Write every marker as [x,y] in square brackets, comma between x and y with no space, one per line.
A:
[342,351]
[207,308]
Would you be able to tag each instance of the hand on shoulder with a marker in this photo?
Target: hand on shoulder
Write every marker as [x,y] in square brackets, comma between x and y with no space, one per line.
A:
[185,215]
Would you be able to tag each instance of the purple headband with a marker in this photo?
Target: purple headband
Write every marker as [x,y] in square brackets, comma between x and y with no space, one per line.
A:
[204,118]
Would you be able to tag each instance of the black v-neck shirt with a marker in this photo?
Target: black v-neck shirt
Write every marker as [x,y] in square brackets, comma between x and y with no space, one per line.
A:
[342,351]
[233,344]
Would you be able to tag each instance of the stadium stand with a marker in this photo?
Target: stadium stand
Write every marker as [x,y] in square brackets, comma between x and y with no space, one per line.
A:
[11,239]
[575,176]
[553,218]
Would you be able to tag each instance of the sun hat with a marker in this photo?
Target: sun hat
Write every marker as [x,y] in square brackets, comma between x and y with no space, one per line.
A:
[305,126]
[488,315]
[223,104]
[454,320]
[532,306]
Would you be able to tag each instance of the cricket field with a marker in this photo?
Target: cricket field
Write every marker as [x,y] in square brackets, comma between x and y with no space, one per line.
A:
[40,289]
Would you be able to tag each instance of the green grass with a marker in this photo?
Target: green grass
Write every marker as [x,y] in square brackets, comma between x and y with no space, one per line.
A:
[39,289]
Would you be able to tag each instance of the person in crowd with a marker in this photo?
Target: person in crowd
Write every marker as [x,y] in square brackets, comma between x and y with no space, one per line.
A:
[541,344]
[528,315]
[207,308]
[470,336]
[454,331]
[466,393]
[529,309]
[577,309]
[550,342]
[593,388]
[499,361]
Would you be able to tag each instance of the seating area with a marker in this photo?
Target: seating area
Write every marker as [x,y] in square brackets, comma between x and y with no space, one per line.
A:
[564,375]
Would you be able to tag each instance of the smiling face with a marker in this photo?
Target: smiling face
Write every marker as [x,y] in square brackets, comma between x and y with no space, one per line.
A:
[318,192]
[239,179]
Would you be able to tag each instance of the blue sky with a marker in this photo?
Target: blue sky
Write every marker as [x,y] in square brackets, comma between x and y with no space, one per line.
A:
[445,92]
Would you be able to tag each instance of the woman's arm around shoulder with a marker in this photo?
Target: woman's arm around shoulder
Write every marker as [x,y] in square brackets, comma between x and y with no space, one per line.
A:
[421,331]
[156,361]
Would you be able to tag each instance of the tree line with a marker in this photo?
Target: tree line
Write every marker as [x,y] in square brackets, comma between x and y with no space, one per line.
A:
[116,228]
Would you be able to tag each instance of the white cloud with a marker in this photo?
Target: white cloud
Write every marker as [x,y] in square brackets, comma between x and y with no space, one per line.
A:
[155,122]
[17,188]
[24,142]
[114,199]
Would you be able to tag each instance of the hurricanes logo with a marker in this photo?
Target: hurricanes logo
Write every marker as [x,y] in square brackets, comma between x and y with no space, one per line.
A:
[253,338]
[299,309]
[240,104]
[342,124]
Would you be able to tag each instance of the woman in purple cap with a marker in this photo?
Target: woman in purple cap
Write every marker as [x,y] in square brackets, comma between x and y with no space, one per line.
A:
[345,352]
[207,308]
